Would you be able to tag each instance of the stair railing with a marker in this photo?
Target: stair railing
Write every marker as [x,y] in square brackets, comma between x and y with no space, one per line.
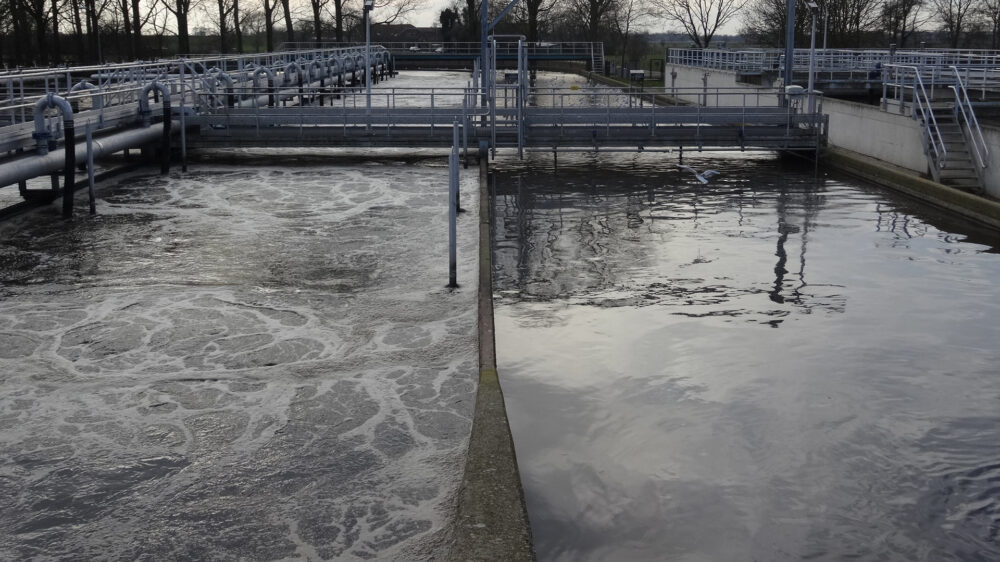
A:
[897,76]
[963,107]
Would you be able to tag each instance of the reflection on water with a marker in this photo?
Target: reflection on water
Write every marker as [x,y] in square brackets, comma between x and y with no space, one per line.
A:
[769,367]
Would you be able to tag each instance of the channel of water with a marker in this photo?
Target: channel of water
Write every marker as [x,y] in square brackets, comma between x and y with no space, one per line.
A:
[772,366]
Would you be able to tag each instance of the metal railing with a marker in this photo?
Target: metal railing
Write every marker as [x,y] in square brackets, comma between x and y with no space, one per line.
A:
[109,97]
[575,49]
[963,108]
[832,60]
[905,78]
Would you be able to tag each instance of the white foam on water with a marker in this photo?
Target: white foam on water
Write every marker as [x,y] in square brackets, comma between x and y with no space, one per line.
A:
[239,361]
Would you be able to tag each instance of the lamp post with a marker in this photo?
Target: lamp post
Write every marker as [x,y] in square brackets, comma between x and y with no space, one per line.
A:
[369,4]
[813,8]
[789,41]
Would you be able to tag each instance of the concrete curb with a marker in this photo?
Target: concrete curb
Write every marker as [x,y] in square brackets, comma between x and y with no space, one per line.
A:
[492,521]
[980,209]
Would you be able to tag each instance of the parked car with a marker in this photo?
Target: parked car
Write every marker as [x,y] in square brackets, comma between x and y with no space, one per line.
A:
[414,49]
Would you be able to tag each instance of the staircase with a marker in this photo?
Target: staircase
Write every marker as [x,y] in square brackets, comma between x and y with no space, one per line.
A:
[957,168]
[597,57]
[956,151]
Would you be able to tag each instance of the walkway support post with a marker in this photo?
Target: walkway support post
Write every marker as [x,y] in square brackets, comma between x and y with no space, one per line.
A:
[90,170]
[369,4]
[453,207]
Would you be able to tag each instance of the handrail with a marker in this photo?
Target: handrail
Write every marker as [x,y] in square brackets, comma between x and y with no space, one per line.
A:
[962,102]
[921,102]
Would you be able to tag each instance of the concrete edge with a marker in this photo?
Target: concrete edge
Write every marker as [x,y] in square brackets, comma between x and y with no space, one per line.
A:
[661,99]
[492,520]
[980,209]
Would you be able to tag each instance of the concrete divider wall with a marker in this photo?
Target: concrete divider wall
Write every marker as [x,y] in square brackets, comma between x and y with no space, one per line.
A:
[693,77]
[866,129]
[992,174]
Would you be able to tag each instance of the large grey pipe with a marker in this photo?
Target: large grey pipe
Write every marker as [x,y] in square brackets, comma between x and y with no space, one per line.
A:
[39,165]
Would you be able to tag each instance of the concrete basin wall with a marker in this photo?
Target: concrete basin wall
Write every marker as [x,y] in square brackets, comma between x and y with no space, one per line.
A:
[992,174]
[854,126]
[866,129]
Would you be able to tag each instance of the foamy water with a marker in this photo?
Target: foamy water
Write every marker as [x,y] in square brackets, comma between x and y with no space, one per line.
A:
[251,360]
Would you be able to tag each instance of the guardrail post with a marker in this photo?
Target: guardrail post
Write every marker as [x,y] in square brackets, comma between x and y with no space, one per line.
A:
[453,208]
[90,169]
[69,144]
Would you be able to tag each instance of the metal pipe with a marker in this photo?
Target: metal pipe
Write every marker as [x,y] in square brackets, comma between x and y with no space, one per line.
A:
[36,165]
[96,100]
[90,170]
[41,134]
[270,82]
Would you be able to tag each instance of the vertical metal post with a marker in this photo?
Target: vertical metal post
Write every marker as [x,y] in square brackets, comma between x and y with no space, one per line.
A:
[789,41]
[69,146]
[368,64]
[812,63]
[453,208]
[90,169]
[184,162]
[483,14]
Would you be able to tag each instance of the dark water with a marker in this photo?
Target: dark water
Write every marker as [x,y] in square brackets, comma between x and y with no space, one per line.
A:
[770,367]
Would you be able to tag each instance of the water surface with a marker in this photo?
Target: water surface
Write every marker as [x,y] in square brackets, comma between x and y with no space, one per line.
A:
[256,360]
[770,367]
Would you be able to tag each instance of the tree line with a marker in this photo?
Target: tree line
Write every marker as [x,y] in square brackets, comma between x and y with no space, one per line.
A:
[47,32]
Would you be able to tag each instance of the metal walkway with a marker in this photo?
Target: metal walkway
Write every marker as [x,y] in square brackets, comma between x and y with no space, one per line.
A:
[469,51]
[318,98]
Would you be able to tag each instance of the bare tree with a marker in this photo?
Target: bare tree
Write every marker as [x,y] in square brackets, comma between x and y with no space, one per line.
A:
[221,20]
[181,9]
[590,15]
[317,8]
[385,12]
[388,12]
[252,23]
[900,18]
[55,30]
[289,30]
[990,12]
[268,8]
[700,19]
[38,11]
[626,16]
[955,16]
[531,17]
